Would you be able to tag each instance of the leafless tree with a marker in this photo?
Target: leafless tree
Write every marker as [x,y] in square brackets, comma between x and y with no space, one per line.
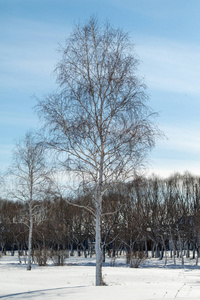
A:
[2,185]
[29,177]
[98,120]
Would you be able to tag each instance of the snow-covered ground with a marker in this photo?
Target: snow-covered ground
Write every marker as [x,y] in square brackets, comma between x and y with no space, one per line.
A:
[76,280]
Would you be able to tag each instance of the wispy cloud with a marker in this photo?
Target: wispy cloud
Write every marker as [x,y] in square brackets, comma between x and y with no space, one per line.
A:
[6,153]
[28,51]
[184,139]
[180,152]
[170,66]
[8,118]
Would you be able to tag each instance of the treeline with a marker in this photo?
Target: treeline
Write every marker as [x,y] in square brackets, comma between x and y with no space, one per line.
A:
[146,214]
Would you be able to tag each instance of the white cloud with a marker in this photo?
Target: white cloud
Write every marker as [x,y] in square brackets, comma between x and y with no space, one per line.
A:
[186,140]
[179,153]
[170,66]
[26,69]
[28,51]
[172,168]
[8,118]
[6,154]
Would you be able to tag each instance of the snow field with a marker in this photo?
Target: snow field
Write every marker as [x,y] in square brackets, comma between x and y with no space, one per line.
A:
[76,280]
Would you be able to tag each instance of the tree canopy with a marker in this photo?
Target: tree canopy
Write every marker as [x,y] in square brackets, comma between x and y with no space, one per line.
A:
[98,120]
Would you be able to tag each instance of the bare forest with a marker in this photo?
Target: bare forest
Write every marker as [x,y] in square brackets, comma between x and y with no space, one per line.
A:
[145,217]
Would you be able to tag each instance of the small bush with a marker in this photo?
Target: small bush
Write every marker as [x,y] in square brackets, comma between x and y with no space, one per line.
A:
[58,257]
[113,261]
[42,256]
[135,258]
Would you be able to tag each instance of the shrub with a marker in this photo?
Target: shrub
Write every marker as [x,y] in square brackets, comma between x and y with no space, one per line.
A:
[135,258]
[42,256]
[58,257]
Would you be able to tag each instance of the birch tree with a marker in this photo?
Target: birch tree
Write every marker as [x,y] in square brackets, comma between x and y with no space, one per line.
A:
[29,177]
[98,120]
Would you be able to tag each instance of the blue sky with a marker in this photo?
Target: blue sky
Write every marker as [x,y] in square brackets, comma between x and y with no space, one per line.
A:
[166,34]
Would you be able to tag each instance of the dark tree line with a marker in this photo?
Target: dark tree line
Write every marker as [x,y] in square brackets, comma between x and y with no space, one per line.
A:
[146,214]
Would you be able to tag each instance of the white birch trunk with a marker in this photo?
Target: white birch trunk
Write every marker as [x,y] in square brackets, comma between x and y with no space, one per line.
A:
[173,248]
[98,246]
[98,250]
[30,237]
[197,258]
[181,249]
[165,254]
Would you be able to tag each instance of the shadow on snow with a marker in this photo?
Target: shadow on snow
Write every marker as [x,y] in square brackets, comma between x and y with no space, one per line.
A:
[34,293]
